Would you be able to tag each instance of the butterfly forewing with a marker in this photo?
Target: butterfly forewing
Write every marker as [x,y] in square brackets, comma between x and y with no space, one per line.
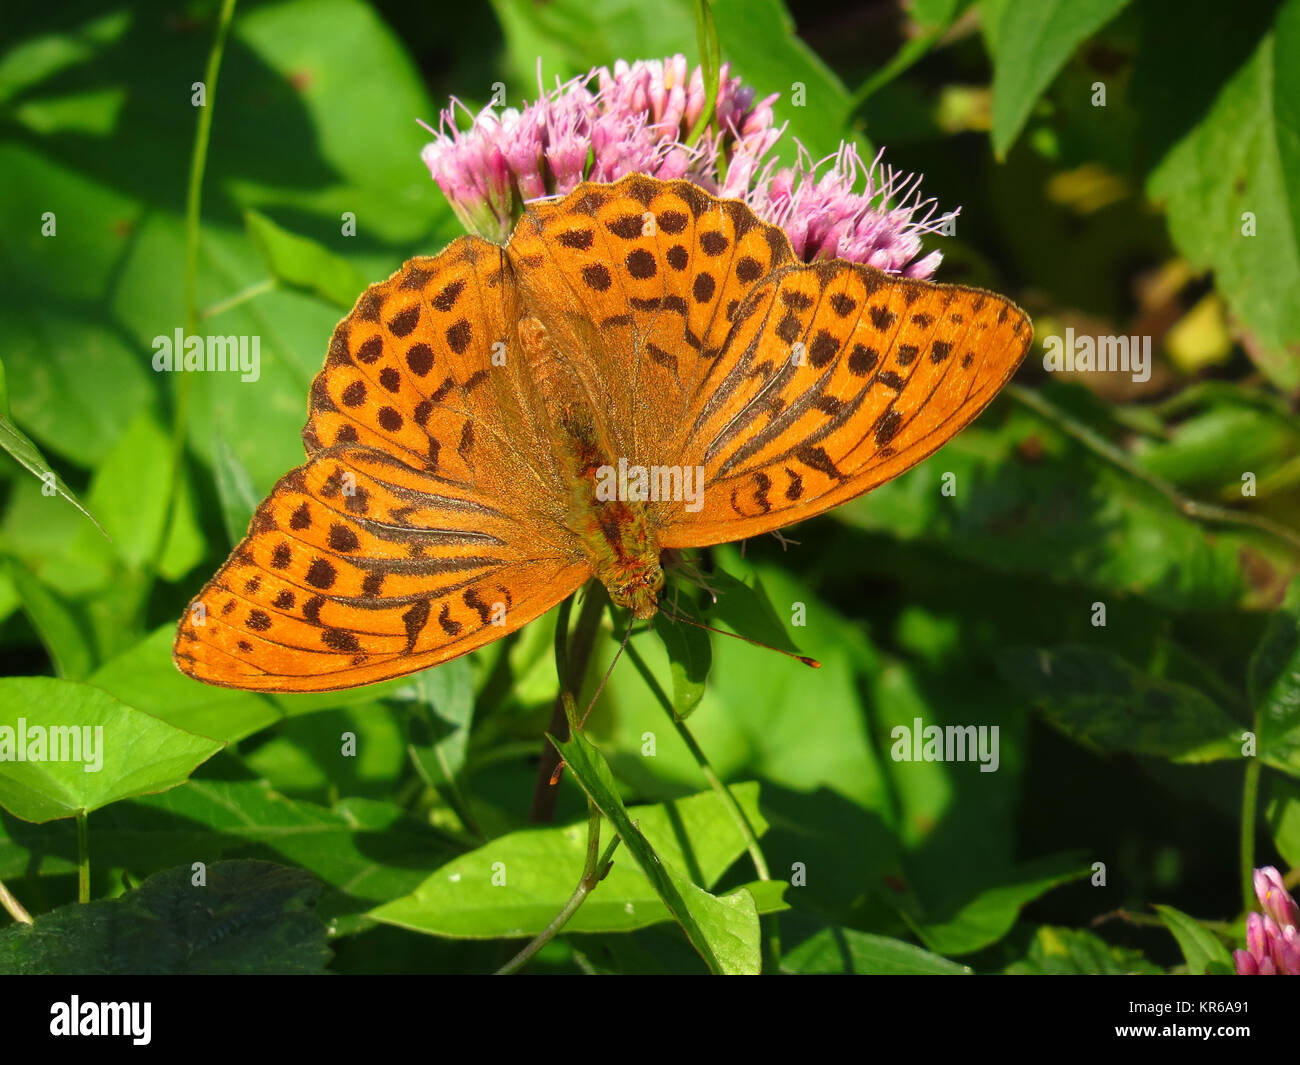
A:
[649,273]
[834,379]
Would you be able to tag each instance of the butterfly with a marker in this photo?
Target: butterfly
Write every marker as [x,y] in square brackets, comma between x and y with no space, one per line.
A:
[641,367]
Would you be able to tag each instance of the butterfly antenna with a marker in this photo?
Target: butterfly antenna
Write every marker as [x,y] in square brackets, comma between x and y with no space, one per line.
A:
[603,680]
[805,659]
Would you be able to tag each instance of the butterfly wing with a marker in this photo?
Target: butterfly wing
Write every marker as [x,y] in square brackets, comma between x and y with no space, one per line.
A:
[836,378]
[637,282]
[795,387]
[427,520]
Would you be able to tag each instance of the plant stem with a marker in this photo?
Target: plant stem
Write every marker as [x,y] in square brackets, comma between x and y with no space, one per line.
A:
[14,907]
[593,872]
[83,858]
[193,213]
[1192,508]
[1249,800]
[257,288]
[723,792]
[571,660]
[702,760]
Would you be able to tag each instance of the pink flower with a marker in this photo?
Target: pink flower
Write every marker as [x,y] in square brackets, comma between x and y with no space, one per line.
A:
[1272,938]
[638,121]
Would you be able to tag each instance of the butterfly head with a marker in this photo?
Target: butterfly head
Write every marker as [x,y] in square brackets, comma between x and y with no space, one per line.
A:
[638,591]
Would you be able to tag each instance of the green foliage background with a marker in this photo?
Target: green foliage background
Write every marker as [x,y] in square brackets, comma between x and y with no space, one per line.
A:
[1119,744]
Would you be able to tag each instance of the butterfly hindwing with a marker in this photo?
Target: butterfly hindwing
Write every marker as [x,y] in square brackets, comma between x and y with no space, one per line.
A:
[358,568]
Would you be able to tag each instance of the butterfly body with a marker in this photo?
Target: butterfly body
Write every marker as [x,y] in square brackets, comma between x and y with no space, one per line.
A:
[476,408]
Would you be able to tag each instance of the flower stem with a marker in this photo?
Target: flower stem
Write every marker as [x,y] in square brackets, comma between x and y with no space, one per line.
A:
[707,37]
[83,858]
[193,210]
[1249,801]
[15,908]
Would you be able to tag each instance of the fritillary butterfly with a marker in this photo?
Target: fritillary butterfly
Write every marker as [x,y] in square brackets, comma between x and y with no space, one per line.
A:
[468,404]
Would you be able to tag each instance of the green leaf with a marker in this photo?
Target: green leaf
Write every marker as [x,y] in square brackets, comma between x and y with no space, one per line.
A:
[1236,161]
[724,931]
[1283,816]
[690,655]
[991,914]
[1204,953]
[445,696]
[850,952]
[13,440]
[119,751]
[1070,951]
[249,917]
[1035,38]
[1273,683]
[540,867]
[1286,107]
[1069,517]
[234,489]
[303,263]
[62,627]
[1098,699]
[361,848]
[130,491]
[748,610]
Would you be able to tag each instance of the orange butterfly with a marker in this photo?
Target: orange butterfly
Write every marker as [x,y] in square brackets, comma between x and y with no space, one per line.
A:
[642,366]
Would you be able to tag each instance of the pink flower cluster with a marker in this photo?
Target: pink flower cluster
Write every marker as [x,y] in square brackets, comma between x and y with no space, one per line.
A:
[640,119]
[1273,937]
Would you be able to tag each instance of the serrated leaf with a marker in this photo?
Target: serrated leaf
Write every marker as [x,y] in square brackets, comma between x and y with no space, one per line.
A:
[248,917]
[119,752]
